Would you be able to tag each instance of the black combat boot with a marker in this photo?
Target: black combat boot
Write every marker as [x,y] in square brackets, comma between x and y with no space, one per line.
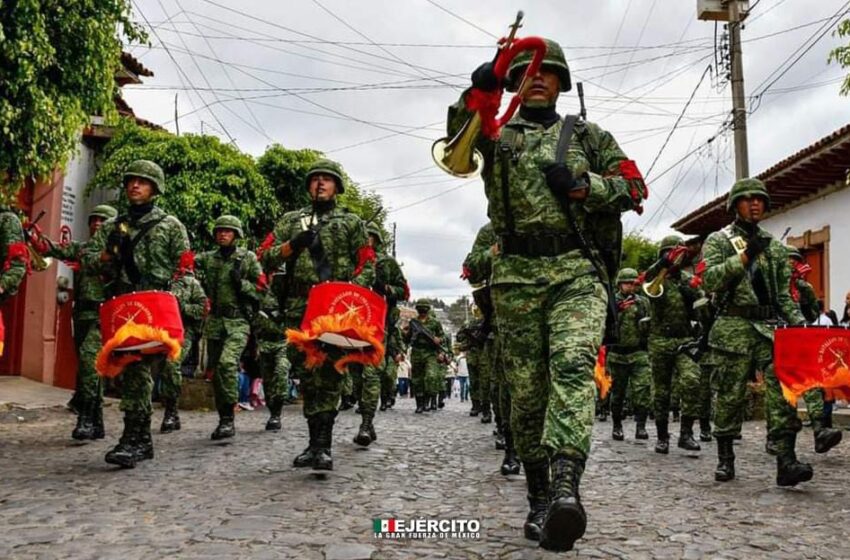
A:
[486,414]
[346,403]
[391,402]
[725,470]
[770,446]
[441,400]
[226,428]
[433,405]
[675,415]
[97,421]
[364,435]
[275,406]
[144,441]
[826,437]
[125,454]
[640,426]
[420,408]
[476,408]
[510,464]
[704,429]
[537,482]
[790,471]
[500,441]
[85,422]
[663,444]
[170,418]
[384,400]
[565,518]
[617,430]
[686,435]
[322,461]
[305,459]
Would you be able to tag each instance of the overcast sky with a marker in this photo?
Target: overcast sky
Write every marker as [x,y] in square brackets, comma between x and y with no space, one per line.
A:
[368,83]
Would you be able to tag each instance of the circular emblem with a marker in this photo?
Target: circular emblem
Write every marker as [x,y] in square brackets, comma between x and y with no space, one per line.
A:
[833,354]
[350,302]
[131,312]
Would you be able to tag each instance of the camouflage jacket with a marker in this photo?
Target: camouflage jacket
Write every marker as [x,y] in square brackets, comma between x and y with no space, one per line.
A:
[192,299]
[389,280]
[229,299]
[269,322]
[420,344]
[673,312]
[479,261]
[732,284]
[12,269]
[632,334]
[808,300]
[395,342]
[156,255]
[472,335]
[526,147]
[89,288]
[342,236]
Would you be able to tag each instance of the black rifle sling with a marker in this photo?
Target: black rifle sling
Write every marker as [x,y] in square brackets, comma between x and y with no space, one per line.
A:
[128,260]
[506,191]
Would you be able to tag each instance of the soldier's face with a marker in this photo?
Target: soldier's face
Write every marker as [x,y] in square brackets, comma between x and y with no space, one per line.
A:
[543,90]
[750,208]
[372,241]
[94,224]
[224,237]
[139,190]
[322,187]
[627,288]
[423,311]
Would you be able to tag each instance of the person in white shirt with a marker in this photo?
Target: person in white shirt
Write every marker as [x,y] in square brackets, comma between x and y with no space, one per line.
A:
[463,376]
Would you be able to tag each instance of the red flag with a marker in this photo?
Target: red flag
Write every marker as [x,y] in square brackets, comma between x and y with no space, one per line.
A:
[600,374]
[812,357]
[2,334]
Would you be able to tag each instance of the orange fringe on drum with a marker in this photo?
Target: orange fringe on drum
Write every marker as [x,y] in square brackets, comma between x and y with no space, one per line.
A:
[347,324]
[600,374]
[110,365]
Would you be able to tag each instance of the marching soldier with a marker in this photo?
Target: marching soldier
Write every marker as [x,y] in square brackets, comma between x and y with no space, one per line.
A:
[470,341]
[88,295]
[395,351]
[747,270]
[425,336]
[139,250]
[390,283]
[230,276]
[670,330]
[193,308]
[320,242]
[14,259]
[269,328]
[557,216]
[627,360]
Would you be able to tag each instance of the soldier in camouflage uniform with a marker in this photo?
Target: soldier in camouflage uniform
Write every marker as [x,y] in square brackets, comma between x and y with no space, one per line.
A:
[628,360]
[747,270]
[424,355]
[193,308]
[554,218]
[470,341]
[88,295]
[395,350]
[230,277]
[318,243]
[139,250]
[671,329]
[390,283]
[269,328]
[14,258]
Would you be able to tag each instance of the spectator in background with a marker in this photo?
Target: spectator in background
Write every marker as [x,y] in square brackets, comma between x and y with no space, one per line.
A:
[463,377]
[823,319]
[845,319]
[404,377]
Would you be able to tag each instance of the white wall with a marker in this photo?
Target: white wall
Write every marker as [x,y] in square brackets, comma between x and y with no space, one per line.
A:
[832,210]
[75,205]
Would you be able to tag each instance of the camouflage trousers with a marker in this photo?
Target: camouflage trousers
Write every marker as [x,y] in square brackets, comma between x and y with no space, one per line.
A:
[171,377]
[548,338]
[630,374]
[370,389]
[473,360]
[500,395]
[486,378]
[223,354]
[137,383]
[89,385]
[320,388]
[424,369]
[671,368]
[814,399]
[730,373]
[274,368]
[389,378]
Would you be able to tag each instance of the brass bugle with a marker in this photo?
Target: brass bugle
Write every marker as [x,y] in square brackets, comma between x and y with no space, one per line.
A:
[458,156]
[655,289]
[39,261]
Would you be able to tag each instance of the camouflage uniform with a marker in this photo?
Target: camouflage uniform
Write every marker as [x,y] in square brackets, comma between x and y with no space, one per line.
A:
[424,367]
[549,300]
[229,275]
[752,299]
[145,246]
[389,371]
[670,329]
[628,361]
[468,341]
[335,238]
[88,295]
[14,267]
[272,360]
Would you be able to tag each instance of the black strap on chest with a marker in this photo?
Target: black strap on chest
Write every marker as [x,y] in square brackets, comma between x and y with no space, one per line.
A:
[128,260]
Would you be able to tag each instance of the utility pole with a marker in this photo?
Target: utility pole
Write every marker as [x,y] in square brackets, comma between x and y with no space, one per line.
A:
[739,109]
[394,237]
[176,117]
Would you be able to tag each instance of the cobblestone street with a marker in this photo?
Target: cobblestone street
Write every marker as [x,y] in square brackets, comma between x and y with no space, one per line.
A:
[199,499]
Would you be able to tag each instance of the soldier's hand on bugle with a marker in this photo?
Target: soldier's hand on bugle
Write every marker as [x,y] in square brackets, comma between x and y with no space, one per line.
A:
[484,78]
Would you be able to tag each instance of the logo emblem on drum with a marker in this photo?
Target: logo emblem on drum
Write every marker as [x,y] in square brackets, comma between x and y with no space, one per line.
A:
[350,302]
[131,312]
[833,355]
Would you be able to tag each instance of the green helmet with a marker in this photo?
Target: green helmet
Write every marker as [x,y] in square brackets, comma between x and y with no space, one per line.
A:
[327,167]
[553,60]
[374,229]
[104,211]
[744,188]
[794,253]
[146,170]
[423,304]
[669,242]
[627,275]
[229,222]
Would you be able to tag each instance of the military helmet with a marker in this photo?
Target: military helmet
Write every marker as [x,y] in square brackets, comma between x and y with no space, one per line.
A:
[374,229]
[794,253]
[146,169]
[744,188]
[104,211]
[554,60]
[327,167]
[229,222]
[422,303]
[627,275]
[670,242]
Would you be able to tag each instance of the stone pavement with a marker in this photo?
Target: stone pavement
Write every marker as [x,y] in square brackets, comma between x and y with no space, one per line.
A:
[200,499]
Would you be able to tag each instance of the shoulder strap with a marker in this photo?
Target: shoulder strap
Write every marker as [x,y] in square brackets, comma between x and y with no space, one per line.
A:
[565,138]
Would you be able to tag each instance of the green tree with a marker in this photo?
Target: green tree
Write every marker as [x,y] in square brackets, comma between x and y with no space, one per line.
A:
[841,54]
[204,179]
[57,65]
[638,252]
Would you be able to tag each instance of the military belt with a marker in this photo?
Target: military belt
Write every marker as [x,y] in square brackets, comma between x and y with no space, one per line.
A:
[229,313]
[625,350]
[751,312]
[539,245]
[671,331]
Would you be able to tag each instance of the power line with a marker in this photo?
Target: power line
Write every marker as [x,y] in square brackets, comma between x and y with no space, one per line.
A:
[464,20]
[432,197]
